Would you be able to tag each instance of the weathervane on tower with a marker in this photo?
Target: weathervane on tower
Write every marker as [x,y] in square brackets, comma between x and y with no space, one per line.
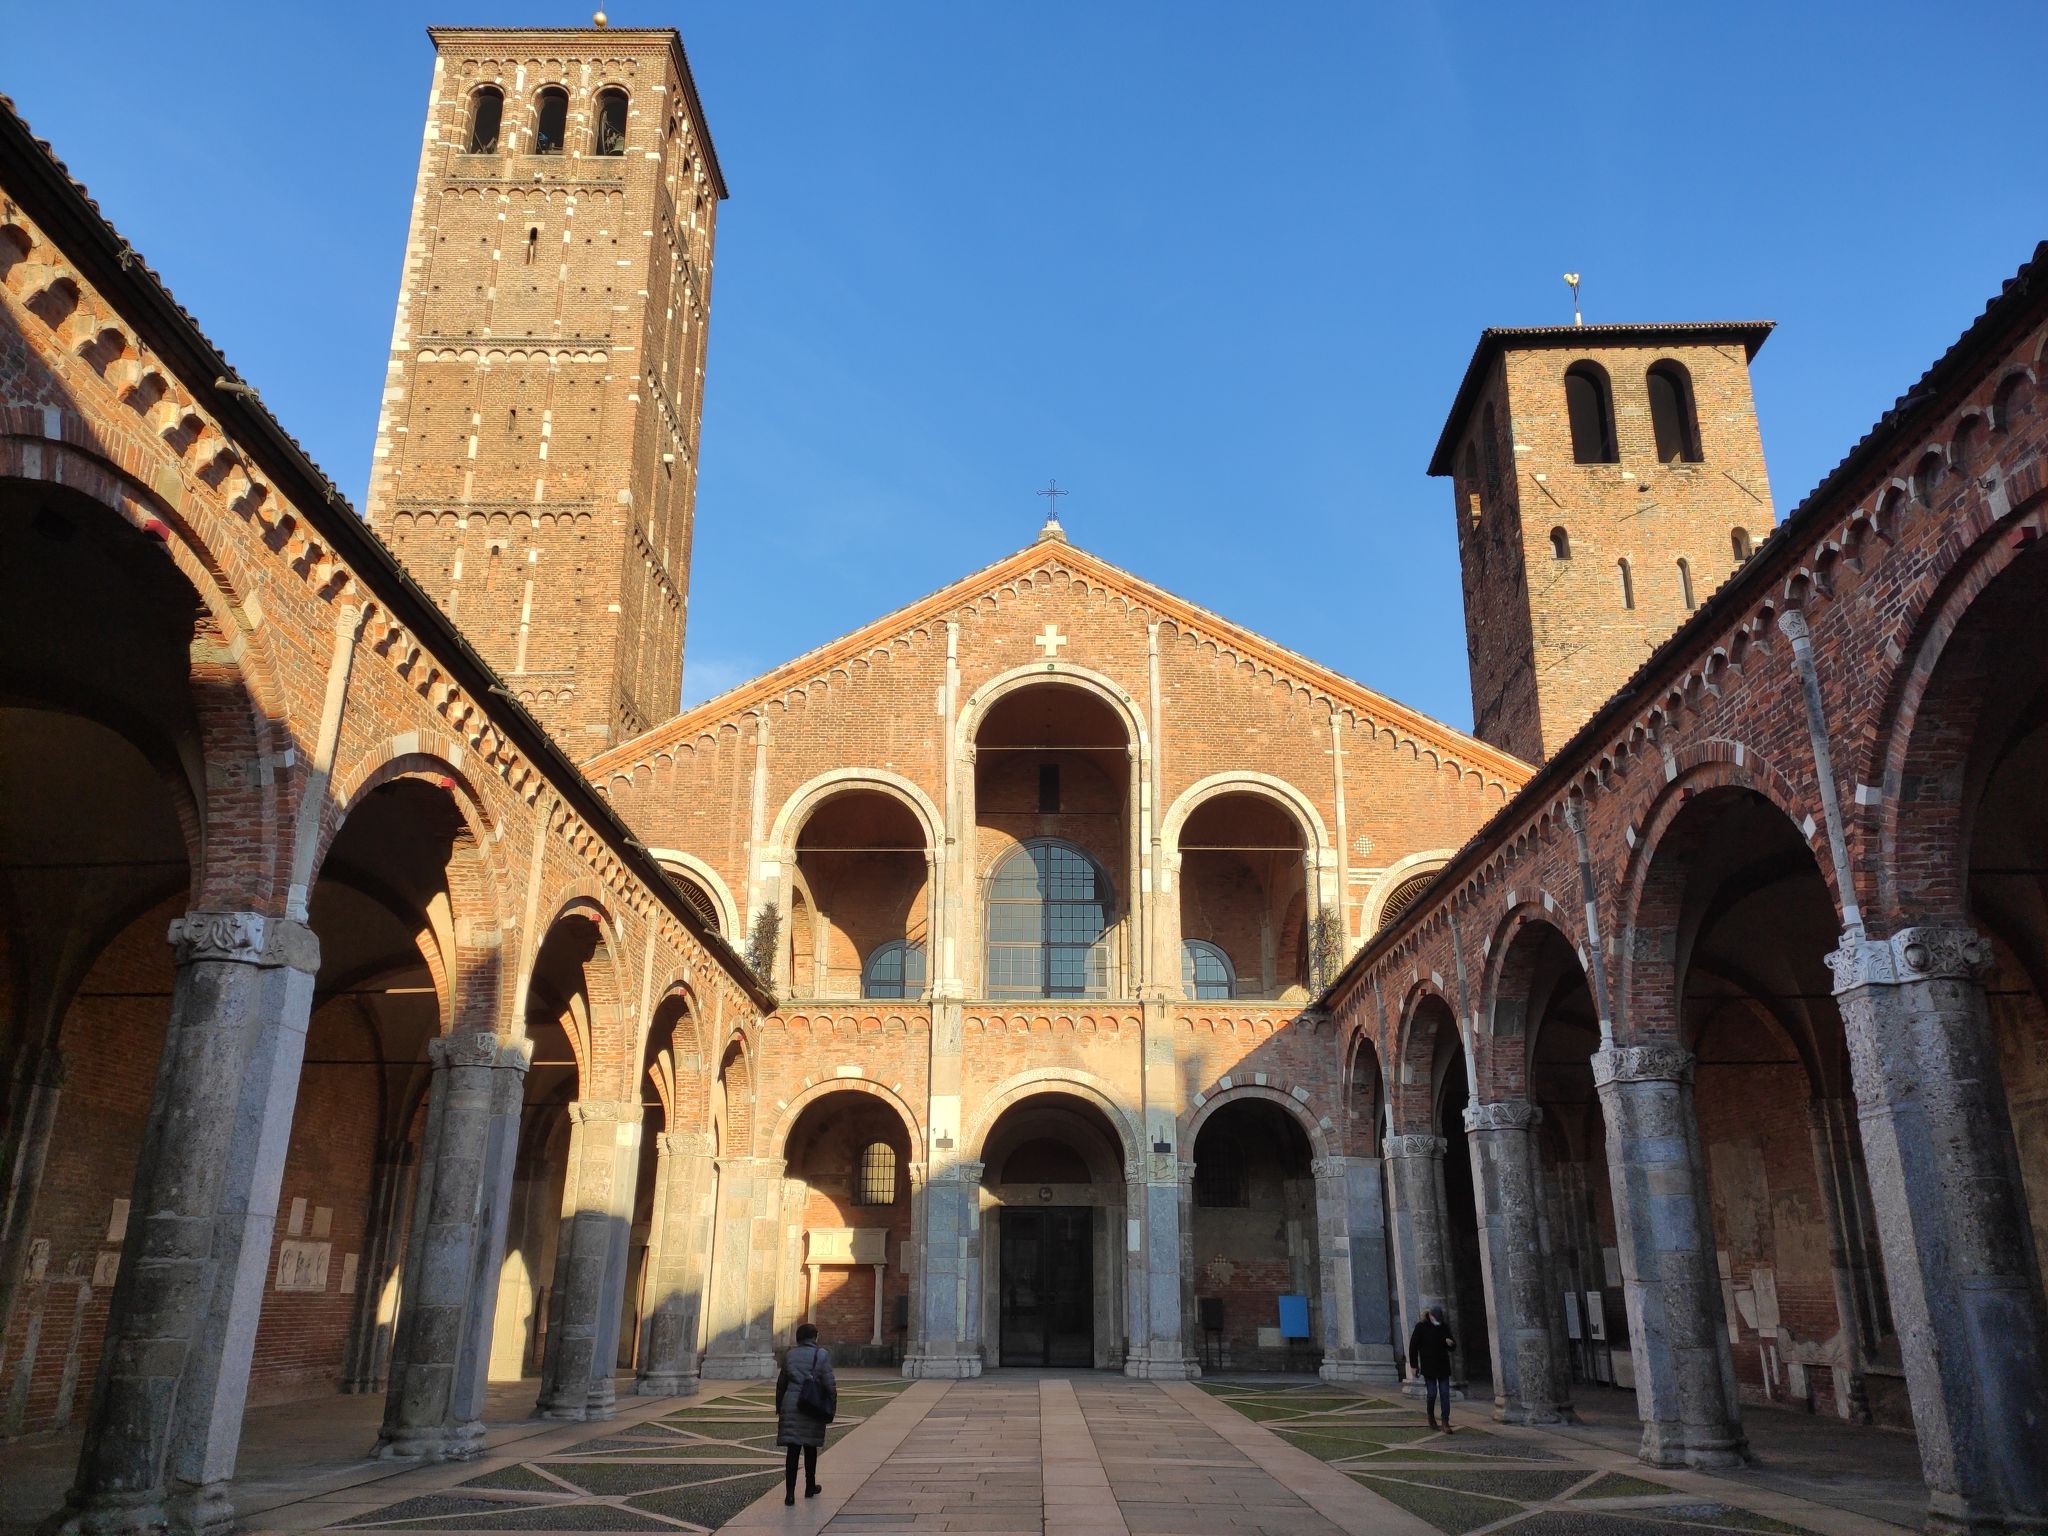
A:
[1052,529]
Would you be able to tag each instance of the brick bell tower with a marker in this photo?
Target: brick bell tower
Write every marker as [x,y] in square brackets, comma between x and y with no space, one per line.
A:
[536,460]
[1607,477]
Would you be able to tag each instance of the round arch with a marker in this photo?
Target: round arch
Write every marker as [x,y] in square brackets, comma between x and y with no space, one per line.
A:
[1315,836]
[1392,878]
[799,807]
[694,868]
[1237,1093]
[778,1138]
[1082,1085]
[977,705]
[1505,1038]
[1410,1077]
[411,757]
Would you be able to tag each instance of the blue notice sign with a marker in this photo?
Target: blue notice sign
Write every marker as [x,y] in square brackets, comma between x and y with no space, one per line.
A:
[1293,1317]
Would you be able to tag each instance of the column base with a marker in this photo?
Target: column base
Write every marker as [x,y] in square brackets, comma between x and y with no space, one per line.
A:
[941,1367]
[759,1366]
[1142,1369]
[1948,1515]
[129,1516]
[666,1384]
[1540,1413]
[457,1442]
[1373,1373]
[1683,1445]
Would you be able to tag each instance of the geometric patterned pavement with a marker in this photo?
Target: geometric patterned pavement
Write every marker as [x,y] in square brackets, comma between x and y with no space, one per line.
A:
[1473,1480]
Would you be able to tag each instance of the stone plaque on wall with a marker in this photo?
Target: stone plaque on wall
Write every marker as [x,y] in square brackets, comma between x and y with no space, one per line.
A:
[302,1265]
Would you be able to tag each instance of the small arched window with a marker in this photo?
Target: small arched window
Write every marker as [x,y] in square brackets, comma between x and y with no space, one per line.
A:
[874,1181]
[611,122]
[1590,404]
[1685,585]
[486,117]
[1469,491]
[1738,539]
[1205,971]
[1560,544]
[895,969]
[1672,416]
[551,121]
[1628,583]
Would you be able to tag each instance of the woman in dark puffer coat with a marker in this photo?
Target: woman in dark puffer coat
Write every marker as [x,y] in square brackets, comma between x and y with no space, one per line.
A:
[793,1427]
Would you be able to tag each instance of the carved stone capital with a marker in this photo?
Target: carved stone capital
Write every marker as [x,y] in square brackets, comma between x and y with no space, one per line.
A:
[1954,952]
[1335,1169]
[1642,1064]
[604,1111]
[1416,1146]
[1792,624]
[682,1144]
[469,1048]
[1503,1115]
[243,938]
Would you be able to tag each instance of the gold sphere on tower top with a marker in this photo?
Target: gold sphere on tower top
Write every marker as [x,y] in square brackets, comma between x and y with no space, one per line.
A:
[599,19]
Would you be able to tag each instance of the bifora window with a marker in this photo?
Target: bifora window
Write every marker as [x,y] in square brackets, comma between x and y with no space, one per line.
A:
[895,969]
[874,1182]
[1205,971]
[1048,908]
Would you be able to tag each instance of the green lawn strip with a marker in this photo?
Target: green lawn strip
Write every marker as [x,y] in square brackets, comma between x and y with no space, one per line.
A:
[1446,1510]
[1498,1483]
[713,1450]
[709,1504]
[1619,1485]
[1719,1517]
[517,1478]
[548,1517]
[1401,1455]
[437,1505]
[611,1478]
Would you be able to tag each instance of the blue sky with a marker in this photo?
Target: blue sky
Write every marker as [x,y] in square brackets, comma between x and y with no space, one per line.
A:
[1216,267]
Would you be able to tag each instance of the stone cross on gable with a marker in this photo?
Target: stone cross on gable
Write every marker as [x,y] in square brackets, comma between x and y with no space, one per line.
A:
[1050,642]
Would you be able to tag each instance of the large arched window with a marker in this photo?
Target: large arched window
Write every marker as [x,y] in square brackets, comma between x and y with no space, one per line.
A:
[610,130]
[1590,404]
[1048,908]
[486,117]
[550,121]
[1672,417]
[895,969]
[1205,971]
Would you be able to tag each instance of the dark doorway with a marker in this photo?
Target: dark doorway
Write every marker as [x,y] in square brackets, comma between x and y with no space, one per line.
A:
[1047,1270]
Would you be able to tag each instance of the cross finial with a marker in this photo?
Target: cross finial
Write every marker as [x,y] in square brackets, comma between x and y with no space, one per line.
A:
[1052,529]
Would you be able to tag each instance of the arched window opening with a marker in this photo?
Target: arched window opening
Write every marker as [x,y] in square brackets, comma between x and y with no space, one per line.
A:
[1402,897]
[532,242]
[1673,419]
[1469,490]
[1685,585]
[1560,544]
[486,117]
[1048,909]
[1928,477]
[874,1182]
[1738,538]
[896,969]
[551,121]
[1205,971]
[611,122]
[1590,405]
[1628,583]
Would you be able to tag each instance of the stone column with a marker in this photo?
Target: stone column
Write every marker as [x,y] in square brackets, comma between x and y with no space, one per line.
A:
[590,1261]
[743,1278]
[1552,1227]
[166,1415]
[1422,1255]
[1959,1254]
[677,1245]
[1156,1196]
[947,1324]
[369,1340]
[31,1116]
[1351,1245]
[1860,1302]
[1677,1328]
[1518,1290]
[441,1351]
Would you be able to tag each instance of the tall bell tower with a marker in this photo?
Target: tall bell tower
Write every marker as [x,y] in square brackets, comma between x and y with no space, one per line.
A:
[536,459]
[1607,479]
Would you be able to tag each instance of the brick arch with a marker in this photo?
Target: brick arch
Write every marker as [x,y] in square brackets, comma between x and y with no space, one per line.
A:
[978,703]
[1359,1044]
[1411,1088]
[778,1138]
[1191,1123]
[733,1103]
[690,867]
[412,755]
[238,698]
[800,806]
[601,1057]
[1082,1085]
[682,1090]
[1645,1000]
[1315,836]
[1928,838]
[1504,1039]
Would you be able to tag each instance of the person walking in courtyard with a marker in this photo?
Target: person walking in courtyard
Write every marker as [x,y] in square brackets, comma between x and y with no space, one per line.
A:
[1429,1355]
[806,1399]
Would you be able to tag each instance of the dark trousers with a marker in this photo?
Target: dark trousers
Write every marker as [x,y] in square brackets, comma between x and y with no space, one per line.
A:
[1436,1388]
[810,1468]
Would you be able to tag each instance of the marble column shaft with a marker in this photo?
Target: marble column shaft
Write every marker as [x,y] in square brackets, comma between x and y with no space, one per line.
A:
[166,1416]
[369,1343]
[441,1351]
[1678,1330]
[590,1260]
[1960,1263]
[1351,1247]
[743,1278]
[949,1310]
[1518,1288]
[678,1242]
[1422,1254]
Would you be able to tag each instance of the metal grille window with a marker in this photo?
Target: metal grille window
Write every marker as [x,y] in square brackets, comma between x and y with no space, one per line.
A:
[1220,1181]
[895,969]
[1048,908]
[874,1183]
[1205,971]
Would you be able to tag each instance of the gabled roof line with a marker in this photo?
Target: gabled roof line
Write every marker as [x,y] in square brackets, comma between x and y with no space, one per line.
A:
[742,697]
